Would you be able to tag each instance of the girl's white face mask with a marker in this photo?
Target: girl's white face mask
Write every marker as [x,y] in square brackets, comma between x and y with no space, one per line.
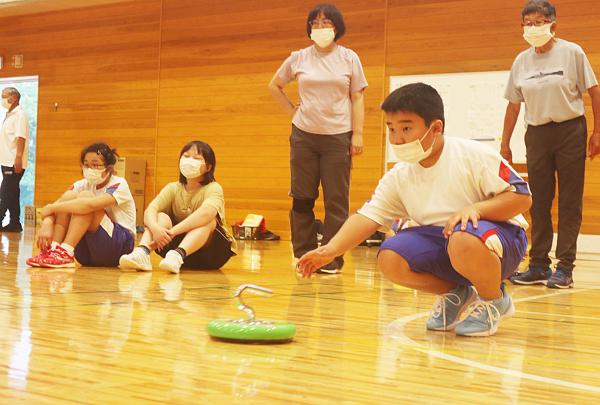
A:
[538,36]
[413,152]
[322,36]
[94,176]
[190,167]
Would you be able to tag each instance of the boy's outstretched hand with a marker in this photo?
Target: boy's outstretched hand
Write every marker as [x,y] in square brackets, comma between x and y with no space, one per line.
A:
[470,213]
[314,260]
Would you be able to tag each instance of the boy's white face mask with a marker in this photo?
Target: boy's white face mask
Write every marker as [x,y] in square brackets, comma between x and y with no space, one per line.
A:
[322,36]
[413,152]
[538,36]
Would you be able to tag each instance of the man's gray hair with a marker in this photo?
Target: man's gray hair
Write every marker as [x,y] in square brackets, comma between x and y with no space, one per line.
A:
[539,6]
[11,91]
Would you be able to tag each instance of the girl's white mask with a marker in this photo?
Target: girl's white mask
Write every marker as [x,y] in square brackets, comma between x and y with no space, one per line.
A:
[190,167]
[94,176]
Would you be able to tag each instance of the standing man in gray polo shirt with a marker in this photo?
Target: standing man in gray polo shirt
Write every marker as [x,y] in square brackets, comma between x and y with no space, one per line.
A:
[14,137]
[550,78]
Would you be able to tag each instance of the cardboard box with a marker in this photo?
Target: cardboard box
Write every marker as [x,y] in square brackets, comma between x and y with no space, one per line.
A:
[29,215]
[139,209]
[133,169]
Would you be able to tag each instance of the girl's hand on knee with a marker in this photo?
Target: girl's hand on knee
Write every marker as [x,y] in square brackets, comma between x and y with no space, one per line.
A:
[161,237]
[314,260]
[44,239]
[47,211]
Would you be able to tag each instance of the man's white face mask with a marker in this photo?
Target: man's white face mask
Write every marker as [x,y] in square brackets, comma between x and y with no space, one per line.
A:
[538,36]
[5,103]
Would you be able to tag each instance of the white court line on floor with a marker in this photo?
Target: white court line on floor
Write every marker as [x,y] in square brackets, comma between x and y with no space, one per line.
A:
[395,330]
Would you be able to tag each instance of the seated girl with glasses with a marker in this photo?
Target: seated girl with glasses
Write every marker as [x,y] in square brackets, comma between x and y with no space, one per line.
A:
[185,223]
[93,222]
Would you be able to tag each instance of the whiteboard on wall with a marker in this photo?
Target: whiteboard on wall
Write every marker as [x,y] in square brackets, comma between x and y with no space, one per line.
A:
[474,107]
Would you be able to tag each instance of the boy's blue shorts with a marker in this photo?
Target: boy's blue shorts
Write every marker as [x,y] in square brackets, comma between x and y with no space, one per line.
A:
[426,250]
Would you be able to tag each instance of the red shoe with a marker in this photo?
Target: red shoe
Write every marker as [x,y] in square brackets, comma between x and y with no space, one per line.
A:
[35,261]
[58,257]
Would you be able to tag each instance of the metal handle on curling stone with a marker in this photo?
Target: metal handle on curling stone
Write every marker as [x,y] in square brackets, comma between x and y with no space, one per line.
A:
[241,305]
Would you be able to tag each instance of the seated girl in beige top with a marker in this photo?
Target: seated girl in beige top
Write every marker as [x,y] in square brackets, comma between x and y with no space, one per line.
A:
[185,223]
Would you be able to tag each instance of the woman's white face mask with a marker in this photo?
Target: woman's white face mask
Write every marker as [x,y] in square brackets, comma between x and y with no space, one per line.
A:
[322,36]
[413,152]
[94,176]
[538,36]
[191,168]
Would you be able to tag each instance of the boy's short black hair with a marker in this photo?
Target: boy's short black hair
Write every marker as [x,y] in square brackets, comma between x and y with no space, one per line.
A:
[418,98]
[109,156]
[209,158]
[539,6]
[331,12]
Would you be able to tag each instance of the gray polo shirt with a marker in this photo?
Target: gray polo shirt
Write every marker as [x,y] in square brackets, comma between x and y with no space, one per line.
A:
[551,84]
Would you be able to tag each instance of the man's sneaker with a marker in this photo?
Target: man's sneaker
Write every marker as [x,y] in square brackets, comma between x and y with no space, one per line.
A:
[448,307]
[138,259]
[560,279]
[35,261]
[58,257]
[484,316]
[172,262]
[533,275]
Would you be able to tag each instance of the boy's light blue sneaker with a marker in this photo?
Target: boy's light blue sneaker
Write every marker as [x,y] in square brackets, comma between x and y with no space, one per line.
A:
[484,316]
[448,307]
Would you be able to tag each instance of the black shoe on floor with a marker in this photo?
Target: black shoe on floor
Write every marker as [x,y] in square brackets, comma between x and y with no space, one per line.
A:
[561,279]
[335,267]
[267,235]
[12,228]
[533,275]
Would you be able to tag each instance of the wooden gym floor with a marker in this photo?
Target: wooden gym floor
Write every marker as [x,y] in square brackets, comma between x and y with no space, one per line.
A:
[100,335]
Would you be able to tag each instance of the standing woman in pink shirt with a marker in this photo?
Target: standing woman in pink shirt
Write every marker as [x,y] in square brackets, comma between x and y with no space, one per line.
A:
[327,127]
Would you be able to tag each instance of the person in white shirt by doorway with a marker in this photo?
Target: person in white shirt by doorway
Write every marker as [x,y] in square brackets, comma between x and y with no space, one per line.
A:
[14,137]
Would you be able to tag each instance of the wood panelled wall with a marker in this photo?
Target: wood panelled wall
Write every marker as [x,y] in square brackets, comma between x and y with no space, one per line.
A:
[149,75]
[100,65]
[216,63]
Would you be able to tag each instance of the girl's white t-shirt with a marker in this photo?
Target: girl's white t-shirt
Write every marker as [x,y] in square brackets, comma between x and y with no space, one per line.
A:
[124,212]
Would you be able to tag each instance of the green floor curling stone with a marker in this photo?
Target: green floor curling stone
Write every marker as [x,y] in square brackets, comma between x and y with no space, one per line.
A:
[251,330]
